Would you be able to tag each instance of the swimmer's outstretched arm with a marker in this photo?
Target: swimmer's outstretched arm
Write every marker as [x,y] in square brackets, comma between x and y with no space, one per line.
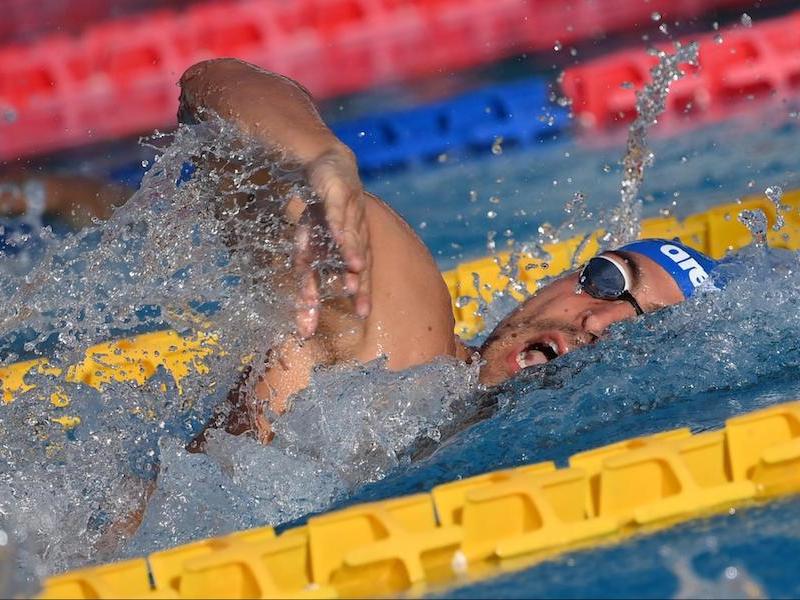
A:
[281,113]
[75,199]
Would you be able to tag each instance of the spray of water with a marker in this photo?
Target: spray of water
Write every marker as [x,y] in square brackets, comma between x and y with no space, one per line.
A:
[623,221]
[621,224]
[18,578]
[209,255]
[756,223]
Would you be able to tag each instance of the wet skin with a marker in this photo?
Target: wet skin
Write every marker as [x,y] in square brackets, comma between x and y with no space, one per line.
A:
[558,320]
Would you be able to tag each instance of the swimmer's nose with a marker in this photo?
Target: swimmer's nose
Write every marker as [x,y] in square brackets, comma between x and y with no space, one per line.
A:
[597,319]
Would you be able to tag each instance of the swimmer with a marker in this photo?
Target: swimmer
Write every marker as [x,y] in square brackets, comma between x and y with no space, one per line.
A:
[411,323]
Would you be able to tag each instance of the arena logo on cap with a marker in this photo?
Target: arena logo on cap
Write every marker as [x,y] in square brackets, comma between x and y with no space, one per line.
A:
[697,274]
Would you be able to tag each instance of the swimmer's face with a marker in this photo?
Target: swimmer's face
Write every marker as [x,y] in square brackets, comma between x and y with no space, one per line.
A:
[557,319]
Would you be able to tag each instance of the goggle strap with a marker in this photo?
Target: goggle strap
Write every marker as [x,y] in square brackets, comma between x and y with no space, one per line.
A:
[627,296]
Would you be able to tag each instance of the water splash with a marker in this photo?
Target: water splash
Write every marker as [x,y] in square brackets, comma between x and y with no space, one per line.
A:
[623,221]
[349,427]
[18,577]
[775,195]
[207,255]
[756,223]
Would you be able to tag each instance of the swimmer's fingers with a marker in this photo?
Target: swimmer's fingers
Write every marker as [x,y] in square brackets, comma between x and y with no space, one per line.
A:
[334,176]
[307,307]
[358,281]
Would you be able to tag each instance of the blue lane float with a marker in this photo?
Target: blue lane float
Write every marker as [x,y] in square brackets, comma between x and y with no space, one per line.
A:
[517,114]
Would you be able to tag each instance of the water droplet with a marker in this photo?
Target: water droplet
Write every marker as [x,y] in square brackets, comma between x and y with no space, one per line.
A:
[490,214]
[746,20]
[563,101]
[494,199]
[775,195]
[442,158]
[423,225]
[490,242]
[663,29]
[557,46]
[497,145]
[473,196]
[718,39]
[145,164]
[756,223]
[655,15]
[731,572]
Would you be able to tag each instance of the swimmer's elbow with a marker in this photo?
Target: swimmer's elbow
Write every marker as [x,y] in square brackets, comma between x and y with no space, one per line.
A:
[205,85]
[220,74]
[206,69]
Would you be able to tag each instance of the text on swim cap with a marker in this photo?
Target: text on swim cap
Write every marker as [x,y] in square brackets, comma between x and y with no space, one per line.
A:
[697,274]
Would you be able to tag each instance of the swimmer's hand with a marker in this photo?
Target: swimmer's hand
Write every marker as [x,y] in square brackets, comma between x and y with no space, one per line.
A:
[281,113]
[334,177]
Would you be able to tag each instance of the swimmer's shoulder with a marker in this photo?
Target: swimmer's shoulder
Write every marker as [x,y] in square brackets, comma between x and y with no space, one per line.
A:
[412,318]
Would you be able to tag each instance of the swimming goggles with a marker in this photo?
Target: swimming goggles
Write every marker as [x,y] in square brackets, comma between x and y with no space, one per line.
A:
[605,278]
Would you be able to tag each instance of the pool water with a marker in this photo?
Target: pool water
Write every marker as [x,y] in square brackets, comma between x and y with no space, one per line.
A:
[364,434]
[690,366]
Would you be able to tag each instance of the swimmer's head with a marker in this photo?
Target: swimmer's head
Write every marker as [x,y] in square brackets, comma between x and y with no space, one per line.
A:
[576,309]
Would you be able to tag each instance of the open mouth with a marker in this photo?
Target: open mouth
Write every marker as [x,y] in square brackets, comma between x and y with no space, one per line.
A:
[537,353]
